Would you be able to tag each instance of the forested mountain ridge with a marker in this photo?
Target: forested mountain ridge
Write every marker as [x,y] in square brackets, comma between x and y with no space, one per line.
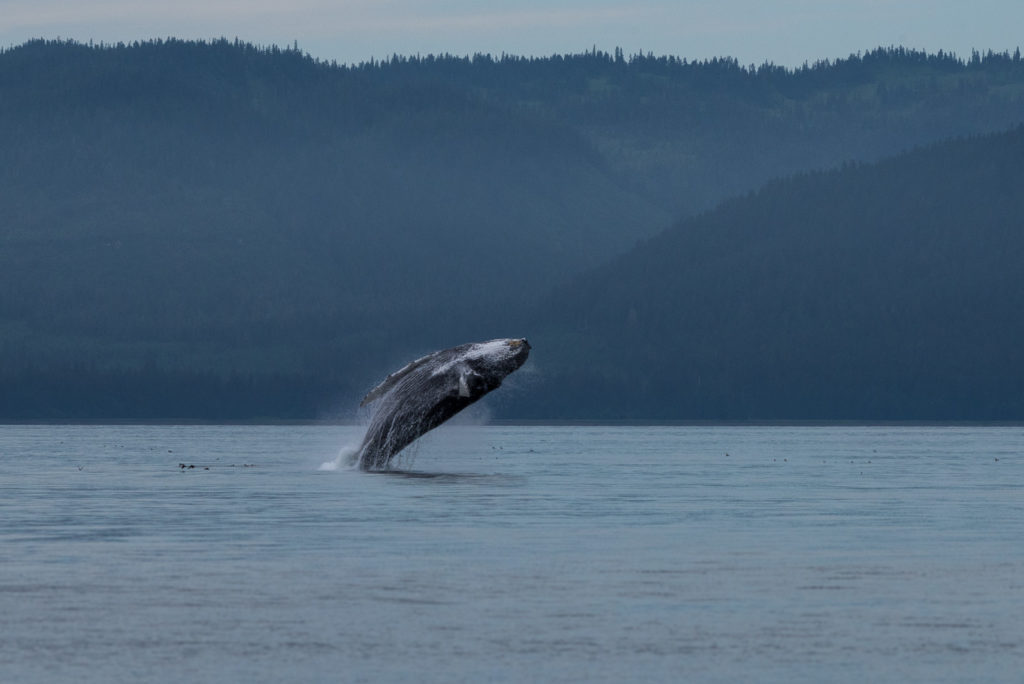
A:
[889,291]
[218,208]
[219,230]
[688,134]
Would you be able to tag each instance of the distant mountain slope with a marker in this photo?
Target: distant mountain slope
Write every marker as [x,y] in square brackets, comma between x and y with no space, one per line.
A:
[687,135]
[221,208]
[885,291]
[181,215]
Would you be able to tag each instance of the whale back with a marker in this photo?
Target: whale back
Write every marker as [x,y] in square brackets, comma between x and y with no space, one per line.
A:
[396,377]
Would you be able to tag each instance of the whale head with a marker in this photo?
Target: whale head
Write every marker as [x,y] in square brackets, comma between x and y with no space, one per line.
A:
[498,357]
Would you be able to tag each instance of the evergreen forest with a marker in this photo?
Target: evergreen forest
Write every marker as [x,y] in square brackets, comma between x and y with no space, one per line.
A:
[221,231]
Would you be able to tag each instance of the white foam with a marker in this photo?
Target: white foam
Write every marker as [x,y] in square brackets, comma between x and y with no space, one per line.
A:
[347,459]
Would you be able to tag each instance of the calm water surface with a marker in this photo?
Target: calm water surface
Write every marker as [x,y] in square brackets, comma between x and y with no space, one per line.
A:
[596,554]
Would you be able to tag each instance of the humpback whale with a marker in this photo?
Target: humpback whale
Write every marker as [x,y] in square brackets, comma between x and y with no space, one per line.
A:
[428,391]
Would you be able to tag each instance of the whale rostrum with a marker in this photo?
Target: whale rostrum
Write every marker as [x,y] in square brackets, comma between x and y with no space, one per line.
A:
[428,391]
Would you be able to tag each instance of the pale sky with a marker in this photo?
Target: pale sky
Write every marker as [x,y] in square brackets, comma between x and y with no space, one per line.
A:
[786,32]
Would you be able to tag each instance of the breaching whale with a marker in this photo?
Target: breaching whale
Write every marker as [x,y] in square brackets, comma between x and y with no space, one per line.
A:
[428,391]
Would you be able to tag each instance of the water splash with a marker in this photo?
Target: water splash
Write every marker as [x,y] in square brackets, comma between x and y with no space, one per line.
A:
[347,459]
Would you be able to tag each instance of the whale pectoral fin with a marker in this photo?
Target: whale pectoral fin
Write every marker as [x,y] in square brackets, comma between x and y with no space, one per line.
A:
[470,382]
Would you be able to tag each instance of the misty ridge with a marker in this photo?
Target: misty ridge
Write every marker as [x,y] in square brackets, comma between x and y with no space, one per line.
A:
[214,230]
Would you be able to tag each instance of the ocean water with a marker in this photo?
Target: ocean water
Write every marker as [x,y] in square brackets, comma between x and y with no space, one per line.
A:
[513,554]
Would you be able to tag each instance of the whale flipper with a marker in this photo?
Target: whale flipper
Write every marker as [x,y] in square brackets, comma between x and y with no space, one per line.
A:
[470,382]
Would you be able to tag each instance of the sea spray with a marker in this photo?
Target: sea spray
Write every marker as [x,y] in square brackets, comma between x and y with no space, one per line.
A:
[347,458]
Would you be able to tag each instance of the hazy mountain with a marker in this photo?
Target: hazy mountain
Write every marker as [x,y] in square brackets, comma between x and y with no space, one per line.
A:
[214,229]
[219,208]
[884,291]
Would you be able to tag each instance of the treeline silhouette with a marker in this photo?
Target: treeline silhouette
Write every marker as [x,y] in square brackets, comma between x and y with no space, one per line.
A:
[83,392]
[217,219]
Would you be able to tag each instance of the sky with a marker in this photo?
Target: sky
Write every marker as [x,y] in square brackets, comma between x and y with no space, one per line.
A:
[785,32]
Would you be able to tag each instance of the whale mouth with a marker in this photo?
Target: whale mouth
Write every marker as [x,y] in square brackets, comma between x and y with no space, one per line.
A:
[518,351]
